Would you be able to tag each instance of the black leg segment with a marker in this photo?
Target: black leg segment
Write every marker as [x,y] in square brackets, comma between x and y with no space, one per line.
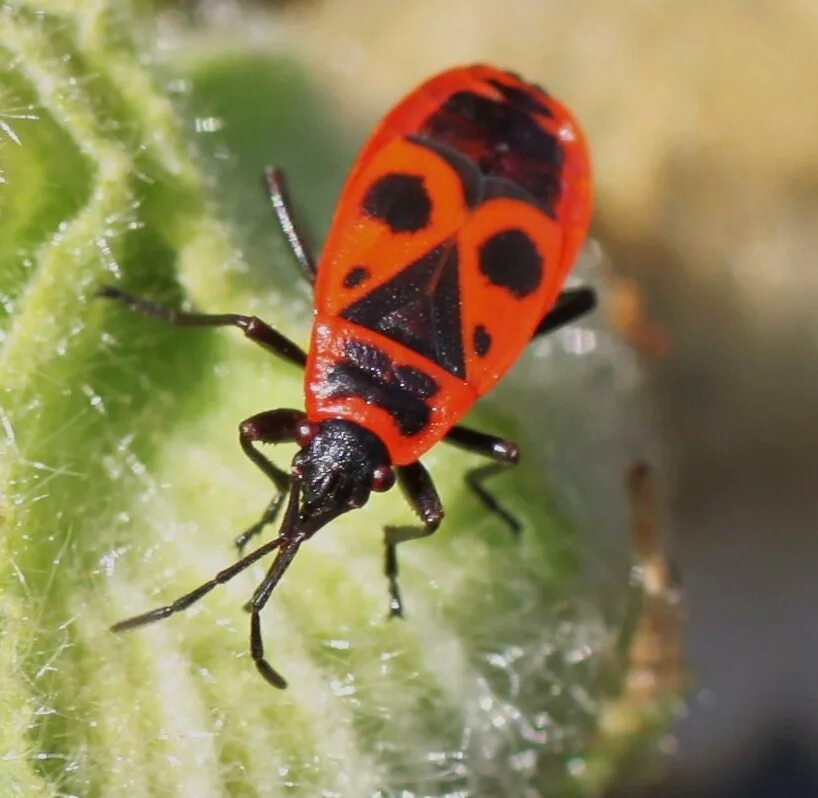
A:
[254,328]
[277,191]
[570,305]
[267,517]
[422,496]
[272,426]
[504,453]
[491,446]
[475,478]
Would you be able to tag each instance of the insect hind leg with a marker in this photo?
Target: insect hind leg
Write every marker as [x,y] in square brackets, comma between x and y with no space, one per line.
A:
[571,304]
[475,478]
[276,186]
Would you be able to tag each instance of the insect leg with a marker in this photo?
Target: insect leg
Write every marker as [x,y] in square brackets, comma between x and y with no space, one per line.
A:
[272,426]
[570,305]
[254,328]
[277,190]
[504,453]
[267,517]
[422,496]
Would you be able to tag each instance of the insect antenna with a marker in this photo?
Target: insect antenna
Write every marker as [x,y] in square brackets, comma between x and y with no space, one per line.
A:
[291,536]
[183,602]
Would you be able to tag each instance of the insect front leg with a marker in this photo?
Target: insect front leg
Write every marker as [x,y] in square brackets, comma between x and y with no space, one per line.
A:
[504,453]
[422,496]
[271,426]
[267,517]
[254,328]
[282,205]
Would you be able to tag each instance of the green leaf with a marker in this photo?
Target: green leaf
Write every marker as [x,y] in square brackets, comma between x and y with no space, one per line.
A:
[123,484]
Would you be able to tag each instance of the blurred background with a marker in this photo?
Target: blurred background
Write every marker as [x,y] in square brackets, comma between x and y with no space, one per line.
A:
[703,123]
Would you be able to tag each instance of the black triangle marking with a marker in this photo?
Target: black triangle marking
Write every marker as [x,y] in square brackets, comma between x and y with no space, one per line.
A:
[419,308]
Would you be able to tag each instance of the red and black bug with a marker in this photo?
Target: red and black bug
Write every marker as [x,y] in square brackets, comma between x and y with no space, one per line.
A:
[450,245]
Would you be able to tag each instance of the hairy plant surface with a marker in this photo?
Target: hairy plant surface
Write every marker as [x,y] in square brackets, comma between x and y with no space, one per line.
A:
[122,483]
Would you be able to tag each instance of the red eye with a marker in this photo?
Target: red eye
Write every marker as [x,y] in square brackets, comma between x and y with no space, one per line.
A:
[383,478]
[305,432]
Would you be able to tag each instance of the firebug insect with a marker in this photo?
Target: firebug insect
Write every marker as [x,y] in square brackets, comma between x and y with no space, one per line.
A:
[452,239]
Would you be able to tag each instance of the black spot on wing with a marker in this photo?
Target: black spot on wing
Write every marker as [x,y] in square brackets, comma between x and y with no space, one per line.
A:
[503,140]
[419,308]
[481,340]
[510,260]
[355,276]
[367,357]
[527,100]
[470,176]
[400,201]
[416,381]
[369,374]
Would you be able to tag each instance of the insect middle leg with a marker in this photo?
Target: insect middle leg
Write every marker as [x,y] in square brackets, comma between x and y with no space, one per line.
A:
[422,496]
[271,426]
[570,305]
[504,453]
[254,328]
